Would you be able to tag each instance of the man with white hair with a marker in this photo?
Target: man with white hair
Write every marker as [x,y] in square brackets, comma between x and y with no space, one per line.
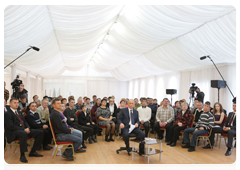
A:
[43,112]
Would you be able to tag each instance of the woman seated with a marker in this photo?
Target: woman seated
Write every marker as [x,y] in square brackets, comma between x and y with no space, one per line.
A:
[105,119]
[218,114]
[94,109]
[183,121]
[85,120]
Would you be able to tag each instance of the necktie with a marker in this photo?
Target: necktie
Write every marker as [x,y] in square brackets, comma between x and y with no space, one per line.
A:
[22,123]
[231,120]
[132,118]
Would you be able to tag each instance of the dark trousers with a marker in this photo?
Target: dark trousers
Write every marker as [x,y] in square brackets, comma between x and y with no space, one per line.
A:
[230,133]
[94,127]
[140,135]
[89,130]
[160,132]
[152,120]
[146,127]
[34,133]
[174,132]
[47,139]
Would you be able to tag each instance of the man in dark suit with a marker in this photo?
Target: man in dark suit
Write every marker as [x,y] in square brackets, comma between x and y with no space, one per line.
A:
[200,95]
[17,128]
[127,117]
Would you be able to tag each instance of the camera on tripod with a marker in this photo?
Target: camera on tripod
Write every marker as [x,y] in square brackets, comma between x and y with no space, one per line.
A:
[15,86]
[193,88]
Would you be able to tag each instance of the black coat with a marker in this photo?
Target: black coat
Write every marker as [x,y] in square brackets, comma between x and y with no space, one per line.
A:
[12,123]
[228,120]
[83,120]
[32,120]
[115,110]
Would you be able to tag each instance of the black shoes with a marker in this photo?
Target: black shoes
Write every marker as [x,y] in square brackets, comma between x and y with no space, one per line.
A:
[47,147]
[228,152]
[23,159]
[207,147]
[81,150]
[186,146]
[111,139]
[84,146]
[169,143]
[191,149]
[94,138]
[34,154]
[106,138]
[69,158]
[90,140]
[173,144]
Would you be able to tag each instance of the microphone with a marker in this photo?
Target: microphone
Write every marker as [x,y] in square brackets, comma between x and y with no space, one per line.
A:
[35,48]
[203,57]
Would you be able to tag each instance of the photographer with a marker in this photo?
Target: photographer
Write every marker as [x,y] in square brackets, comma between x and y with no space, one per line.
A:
[21,92]
[200,95]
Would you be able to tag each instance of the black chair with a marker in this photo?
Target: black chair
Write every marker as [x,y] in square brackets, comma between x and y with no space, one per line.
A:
[132,135]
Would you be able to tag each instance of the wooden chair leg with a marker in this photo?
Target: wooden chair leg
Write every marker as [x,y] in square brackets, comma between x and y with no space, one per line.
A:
[219,142]
[209,143]
[54,155]
[73,153]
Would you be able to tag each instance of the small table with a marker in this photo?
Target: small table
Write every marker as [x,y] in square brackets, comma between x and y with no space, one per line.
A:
[147,150]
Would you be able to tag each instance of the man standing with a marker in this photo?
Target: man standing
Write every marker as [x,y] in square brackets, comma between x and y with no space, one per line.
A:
[144,115]
[21,91]
[229,128]
[200,95]
[204,124]
[17,128]
[164,118]
[129,117]
[153,108]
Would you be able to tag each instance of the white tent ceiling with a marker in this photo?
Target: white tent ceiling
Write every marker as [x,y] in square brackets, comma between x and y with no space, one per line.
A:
[142,40]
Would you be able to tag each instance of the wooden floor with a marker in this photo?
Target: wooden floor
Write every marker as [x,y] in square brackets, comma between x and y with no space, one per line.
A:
[105,153]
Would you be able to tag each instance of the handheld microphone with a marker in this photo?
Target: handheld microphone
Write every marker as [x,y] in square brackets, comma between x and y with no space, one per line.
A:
[203,57]
[35,48]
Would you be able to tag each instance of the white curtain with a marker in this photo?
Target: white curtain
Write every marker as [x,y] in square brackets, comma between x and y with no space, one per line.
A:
[145,40]
[156,85]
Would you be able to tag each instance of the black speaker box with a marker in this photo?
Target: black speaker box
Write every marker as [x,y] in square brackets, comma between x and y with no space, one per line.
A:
[218,84]
[171,91]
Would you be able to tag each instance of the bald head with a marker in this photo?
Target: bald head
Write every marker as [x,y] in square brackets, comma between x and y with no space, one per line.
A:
[131,104]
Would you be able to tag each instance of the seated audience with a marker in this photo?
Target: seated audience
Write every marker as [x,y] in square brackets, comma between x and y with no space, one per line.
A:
[64,101]
[50,107]
[197,113]
[16,127]
[164,118]
[94,110]
[177,108]
[94,100]
[88,105]
[72,120]
[63,131]
[85,120]
[35,97]
[155,102]
[22,102]
[153,108]
[38,102]
[105,119]
[35,122]
[60,97]
[78,104]
[121,106]
[183,121]
[144,113]
[129,117]
[43,112]
[229,128]
[203,126]
[136,104]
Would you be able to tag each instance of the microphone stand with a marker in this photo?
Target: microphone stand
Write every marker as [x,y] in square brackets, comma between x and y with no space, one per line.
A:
[221,76]
[17,58]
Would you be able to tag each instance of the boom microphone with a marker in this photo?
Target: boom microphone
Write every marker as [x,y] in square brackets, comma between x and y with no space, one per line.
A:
[35,48]
[203,57]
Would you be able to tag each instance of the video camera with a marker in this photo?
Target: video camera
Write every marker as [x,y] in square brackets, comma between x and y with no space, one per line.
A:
[193,88]
[15,85]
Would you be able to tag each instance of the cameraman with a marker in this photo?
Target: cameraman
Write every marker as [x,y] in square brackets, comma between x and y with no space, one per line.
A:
[21,92]
[200,95]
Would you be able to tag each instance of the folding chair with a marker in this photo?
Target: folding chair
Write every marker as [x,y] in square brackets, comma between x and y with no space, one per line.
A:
[218,134]
[204,138]
[65,144]
[225,136]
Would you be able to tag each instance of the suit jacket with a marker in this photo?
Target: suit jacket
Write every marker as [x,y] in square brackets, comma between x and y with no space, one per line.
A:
[12,123]
[228,120]
[34,120]
[83,120]
[123,117]
[185,119]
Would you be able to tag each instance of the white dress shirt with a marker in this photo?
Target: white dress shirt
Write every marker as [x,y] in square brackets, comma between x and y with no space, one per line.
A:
[130,115]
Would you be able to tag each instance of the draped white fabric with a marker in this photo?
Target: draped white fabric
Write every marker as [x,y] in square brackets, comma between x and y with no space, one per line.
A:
[146,40]
[155,86]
